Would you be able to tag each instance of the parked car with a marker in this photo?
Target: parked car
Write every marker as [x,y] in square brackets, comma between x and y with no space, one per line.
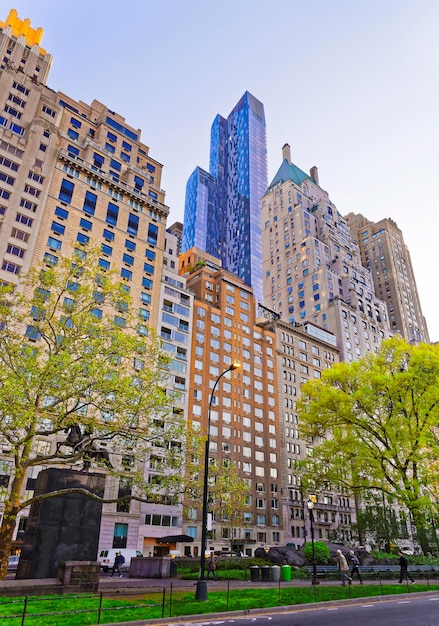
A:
[106,557]
[13,563]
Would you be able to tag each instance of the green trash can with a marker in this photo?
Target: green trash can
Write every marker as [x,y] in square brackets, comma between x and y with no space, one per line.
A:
[286,572]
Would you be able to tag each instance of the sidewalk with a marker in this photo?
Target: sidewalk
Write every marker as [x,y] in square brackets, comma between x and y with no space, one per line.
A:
[119,584]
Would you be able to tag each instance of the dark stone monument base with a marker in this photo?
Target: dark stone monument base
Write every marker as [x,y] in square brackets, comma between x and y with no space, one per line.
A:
[80,575]
[63,528]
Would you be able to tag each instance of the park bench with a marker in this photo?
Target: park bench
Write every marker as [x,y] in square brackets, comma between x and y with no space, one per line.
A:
[367,571]
[424,571]
[323,571]
[388,571]
[376,571]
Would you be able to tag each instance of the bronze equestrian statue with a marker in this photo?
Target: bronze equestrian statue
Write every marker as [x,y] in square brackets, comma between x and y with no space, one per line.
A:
[84,445]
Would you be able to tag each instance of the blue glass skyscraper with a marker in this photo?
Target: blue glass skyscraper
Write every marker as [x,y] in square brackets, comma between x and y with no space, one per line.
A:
[238,165]
[200,222]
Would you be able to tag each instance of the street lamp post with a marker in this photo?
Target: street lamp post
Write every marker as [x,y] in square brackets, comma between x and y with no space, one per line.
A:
[310,504]
[201,591]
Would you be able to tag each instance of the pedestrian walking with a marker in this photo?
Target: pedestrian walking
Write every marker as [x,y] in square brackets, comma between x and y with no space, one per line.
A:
[344,568]
[211,567]
[119,560]
[355,566]
[404,568]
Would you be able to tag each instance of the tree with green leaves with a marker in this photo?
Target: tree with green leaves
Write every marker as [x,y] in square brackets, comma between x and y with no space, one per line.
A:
[320,551]
[373,425]
[229,498]
[383,524]
[228,492]
[72,360]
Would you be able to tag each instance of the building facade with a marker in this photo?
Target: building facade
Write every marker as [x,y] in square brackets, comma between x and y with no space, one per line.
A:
[222,207]
[73,173]
[303,352]
[312,267]
[385,254]
[244,427]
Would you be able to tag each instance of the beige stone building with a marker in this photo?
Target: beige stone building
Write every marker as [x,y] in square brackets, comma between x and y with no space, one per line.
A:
[73,173]
[385,254]
[312,268]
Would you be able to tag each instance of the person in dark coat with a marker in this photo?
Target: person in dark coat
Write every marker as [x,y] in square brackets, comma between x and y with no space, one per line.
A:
[211,567]
[404,568]
[118,562]
[355,566]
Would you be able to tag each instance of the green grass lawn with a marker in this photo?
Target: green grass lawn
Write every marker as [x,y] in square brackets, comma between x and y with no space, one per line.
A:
[148,606]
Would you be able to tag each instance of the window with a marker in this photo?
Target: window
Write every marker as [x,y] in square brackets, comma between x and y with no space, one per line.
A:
[83,239]
[15,250]
[61,213]
[50,259]
[128,259]
[66,191]
[72,150]
[152,234]
[90,203]
[54,243]
[19,234]
[108,234]
[58,228]
[11,267]
[98,160]
[115,165]
[86,224]
[133,224]
[138,183]
[120,535]
[112,214]
[105,265]
[73,134]
[108,250]
[150,254]
[12,111]
[32,190]
[8,163]
[125,273]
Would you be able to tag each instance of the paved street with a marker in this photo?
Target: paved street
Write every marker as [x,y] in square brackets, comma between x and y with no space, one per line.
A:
[414,611]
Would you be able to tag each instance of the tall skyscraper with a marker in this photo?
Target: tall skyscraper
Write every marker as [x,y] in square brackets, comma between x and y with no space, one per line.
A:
[311,266]
[222,213]
[385,254]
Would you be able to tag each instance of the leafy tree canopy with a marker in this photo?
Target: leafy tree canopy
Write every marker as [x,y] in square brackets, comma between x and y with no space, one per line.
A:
[72,359]
[373,424]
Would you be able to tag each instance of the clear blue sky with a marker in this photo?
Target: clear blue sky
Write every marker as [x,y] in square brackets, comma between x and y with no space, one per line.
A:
[351,85]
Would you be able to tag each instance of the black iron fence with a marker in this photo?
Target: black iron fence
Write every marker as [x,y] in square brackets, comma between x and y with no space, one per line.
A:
[155,602]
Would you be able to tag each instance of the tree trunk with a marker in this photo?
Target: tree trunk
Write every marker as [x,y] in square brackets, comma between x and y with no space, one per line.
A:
[420,523]
[9,521]
[358,510]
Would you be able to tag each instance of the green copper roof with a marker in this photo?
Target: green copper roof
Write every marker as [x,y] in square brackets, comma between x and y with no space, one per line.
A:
[289,171]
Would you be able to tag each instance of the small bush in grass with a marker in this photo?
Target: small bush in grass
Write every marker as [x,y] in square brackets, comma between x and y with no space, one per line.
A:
[321,552]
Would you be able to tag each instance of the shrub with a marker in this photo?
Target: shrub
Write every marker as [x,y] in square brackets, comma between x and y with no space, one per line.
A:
[321,552]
